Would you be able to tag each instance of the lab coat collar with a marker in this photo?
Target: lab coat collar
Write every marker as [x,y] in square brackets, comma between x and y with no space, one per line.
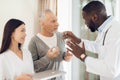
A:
[106,24]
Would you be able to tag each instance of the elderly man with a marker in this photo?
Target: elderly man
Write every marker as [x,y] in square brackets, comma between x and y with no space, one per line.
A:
[47,47]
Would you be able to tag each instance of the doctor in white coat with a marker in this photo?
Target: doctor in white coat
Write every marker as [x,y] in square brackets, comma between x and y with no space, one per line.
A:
[106,45]
[15,62]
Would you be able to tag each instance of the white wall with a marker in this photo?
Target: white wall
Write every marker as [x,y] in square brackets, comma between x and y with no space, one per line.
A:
[24,10]
[65,15]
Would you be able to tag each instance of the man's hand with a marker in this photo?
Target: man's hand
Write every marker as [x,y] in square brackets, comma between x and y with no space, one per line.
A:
[53,52]
[68,56]
[71,36]
[78,51]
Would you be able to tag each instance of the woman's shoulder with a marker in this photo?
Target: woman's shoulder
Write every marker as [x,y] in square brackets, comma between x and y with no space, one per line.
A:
[2,55]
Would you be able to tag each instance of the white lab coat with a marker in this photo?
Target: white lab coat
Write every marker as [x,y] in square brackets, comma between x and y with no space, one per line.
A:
[107,65]
[11,65]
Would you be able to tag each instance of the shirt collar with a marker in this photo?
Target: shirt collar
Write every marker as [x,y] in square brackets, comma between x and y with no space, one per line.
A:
[100,29]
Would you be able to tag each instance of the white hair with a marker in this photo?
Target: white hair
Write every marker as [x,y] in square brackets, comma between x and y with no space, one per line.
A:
[43,15]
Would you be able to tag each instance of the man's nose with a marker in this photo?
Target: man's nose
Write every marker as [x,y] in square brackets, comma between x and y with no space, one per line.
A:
[57,24]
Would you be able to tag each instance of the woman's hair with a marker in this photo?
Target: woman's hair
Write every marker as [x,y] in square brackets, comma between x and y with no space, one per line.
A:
[9,28]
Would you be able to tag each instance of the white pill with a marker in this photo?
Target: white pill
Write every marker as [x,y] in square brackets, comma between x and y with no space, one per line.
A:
[53,49]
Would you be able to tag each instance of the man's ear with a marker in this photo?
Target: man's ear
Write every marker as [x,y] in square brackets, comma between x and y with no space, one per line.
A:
[94,17]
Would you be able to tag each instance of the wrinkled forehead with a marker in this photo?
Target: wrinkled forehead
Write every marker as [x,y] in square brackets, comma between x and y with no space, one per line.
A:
[50,16]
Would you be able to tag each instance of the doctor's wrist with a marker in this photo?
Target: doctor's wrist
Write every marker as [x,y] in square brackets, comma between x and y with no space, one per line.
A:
[82,57]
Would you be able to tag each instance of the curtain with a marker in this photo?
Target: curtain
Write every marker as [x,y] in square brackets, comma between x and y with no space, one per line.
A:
[47,4]
[87,34]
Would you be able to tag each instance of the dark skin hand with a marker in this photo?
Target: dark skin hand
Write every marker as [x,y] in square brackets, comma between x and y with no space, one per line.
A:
[71,36]
[76,50]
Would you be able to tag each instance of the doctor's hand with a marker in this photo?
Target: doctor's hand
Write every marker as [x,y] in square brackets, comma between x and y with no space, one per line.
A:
[71,36]
[78,51]
[53,52]
[24,77]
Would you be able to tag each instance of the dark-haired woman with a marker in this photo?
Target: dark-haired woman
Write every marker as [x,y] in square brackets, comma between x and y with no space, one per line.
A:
[15,62]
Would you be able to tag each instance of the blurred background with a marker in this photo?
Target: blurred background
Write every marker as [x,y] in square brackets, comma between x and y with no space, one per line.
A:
[69,17]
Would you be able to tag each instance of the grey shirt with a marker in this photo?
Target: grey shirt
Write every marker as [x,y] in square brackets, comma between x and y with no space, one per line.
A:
[39,50]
